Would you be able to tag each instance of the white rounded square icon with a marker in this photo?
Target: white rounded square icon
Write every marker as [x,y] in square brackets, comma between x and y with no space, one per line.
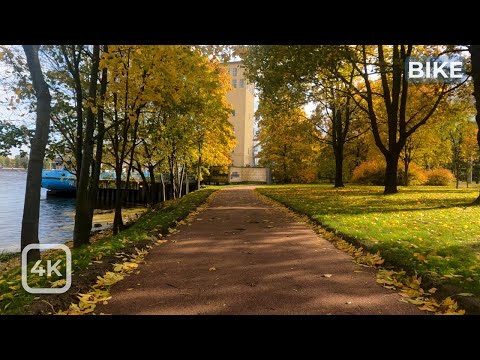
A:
[51,268]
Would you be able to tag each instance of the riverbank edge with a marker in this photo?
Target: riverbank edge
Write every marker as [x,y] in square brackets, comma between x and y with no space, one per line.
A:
[130,216]
[95,259]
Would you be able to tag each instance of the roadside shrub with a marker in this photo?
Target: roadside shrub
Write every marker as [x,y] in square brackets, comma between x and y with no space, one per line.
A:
[369,172]
[439,177]
[372,172]
[416,175]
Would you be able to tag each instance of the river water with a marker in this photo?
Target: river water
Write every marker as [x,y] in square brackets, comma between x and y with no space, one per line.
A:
[56,214]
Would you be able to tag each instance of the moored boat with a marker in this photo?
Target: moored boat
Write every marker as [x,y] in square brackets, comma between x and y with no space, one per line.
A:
[59,181]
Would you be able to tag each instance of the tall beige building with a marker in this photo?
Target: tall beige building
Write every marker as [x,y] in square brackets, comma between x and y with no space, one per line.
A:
[241,97]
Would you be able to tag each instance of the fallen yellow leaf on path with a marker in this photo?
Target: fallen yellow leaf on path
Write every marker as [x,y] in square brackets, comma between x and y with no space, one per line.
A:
[427,308]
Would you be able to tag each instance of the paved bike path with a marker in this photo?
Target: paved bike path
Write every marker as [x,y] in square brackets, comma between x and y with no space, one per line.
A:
[241,255]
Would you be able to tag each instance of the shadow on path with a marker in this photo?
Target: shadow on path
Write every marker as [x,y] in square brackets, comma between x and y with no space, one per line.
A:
[241,255]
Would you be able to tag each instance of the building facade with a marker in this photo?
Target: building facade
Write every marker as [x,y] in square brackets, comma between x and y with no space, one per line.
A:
[241,98]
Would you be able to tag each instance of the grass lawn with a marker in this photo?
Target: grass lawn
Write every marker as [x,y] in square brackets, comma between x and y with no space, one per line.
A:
[430,230]
[15,300]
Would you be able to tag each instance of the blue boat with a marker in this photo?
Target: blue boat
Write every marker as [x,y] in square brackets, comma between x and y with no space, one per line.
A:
[61,181]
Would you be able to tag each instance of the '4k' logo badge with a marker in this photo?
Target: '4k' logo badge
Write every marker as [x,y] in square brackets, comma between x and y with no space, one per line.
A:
[58,268]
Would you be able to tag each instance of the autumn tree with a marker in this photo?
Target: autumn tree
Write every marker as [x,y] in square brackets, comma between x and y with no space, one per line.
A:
[73,56]
[68,76]
[165,105]
[12,136]
[291,76]
[429,145]
[287,144]
[385,89]
[83,222]
[76,116]
[461,135]
[129,68]
[337,120]
[190,130]
[470,151]
[16,81]
[203,120]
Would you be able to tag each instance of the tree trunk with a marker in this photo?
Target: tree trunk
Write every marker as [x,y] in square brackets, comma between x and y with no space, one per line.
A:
[457,176]
[130,163]
[99,143]
[82,228]
[180,182]
[172,180]
[79,135]
[31,207]
[391,175]
[153,185]
[469,172]
[117,219]
[406,164]
[75,72]
[199,171]
[338,153]
[164,195]
[475,55]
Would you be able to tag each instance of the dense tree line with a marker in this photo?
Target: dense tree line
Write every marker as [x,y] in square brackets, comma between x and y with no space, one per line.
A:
[366,109]
[18,161]
[157,110]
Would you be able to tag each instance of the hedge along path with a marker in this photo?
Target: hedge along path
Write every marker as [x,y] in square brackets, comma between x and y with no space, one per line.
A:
[246,255]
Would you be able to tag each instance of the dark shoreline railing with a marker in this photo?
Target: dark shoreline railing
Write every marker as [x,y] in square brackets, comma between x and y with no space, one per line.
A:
[136,194]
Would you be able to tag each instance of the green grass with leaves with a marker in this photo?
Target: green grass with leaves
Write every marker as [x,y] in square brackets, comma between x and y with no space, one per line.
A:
[15,300]
[5,256]
[430,230]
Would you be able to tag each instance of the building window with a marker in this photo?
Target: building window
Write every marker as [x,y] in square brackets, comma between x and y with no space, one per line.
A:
[234,71]
[242,83]
[234,83]
[233,112]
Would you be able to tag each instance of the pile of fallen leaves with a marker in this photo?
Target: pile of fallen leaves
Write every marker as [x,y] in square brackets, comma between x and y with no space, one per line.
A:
[412,292]
[99,292]
[409,287]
